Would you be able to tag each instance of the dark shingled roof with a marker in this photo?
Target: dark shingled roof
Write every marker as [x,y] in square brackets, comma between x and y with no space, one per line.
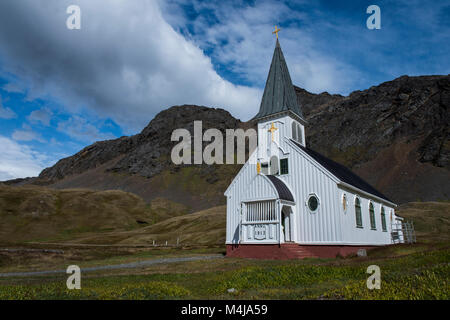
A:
[279,94]
[342,173]
[283,191]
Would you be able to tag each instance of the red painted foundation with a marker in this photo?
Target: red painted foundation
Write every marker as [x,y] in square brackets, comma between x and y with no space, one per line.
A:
[291,251]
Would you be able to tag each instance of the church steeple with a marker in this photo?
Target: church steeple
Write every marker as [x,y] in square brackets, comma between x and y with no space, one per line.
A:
[279,94]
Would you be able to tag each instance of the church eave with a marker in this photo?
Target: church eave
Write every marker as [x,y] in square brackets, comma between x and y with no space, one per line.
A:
[278,115]
[368,194]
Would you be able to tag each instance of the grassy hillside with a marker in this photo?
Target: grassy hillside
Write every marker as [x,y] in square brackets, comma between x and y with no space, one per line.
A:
[206,227]
[431,219]
[39,214]
[32,213]
[196,187]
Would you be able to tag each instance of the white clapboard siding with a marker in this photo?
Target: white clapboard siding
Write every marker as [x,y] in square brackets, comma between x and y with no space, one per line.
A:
[353,234]
[306,178]
[330,224]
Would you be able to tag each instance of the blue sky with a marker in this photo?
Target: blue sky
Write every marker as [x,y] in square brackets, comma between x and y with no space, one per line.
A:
[61,90]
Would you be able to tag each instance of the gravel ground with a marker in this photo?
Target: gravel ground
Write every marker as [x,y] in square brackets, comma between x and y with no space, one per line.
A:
[138,264]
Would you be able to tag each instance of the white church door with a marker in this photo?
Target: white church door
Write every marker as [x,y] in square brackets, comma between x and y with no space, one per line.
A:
[287,224]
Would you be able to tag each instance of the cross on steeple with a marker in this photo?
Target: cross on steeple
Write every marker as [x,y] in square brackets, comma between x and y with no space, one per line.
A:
[272,130]
[276,31]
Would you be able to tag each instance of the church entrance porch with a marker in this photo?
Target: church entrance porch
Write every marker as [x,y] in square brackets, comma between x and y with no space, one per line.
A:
[287,224]
[260,222]
[267,222]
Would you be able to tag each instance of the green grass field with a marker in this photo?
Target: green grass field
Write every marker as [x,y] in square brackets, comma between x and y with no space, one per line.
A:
[419,275]
[73,221]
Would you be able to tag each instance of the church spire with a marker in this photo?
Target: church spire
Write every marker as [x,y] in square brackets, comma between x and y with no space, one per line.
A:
[279,94]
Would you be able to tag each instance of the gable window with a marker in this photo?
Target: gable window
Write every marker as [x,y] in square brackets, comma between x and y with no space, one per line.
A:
[284,167]
[383,220]
[373,225]
[358,213]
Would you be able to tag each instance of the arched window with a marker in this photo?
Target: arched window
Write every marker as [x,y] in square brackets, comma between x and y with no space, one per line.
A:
[294,131]
[358,213]
[383,220]
[297,134]
[373,225]
[274,165]
[300,134]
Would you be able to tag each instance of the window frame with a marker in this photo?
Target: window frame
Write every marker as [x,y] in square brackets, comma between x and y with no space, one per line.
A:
[286,160]
[275,161]
[373,223]
[383,219]
[312,195]
[299,133]
[359,224]
[294,131]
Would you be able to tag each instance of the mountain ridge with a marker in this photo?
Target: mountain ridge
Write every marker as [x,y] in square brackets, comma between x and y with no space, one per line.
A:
[394,135]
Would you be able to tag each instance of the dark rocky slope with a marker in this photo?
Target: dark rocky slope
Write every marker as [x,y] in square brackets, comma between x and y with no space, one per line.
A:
[146,154]
[395,135]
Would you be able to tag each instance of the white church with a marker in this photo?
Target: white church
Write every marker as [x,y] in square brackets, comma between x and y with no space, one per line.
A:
[289,201]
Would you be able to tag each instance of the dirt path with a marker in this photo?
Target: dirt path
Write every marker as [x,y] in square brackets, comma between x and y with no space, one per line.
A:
[138,264]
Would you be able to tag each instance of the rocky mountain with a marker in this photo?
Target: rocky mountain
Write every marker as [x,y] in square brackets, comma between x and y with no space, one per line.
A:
[146,154]
[142,164]
[395,135]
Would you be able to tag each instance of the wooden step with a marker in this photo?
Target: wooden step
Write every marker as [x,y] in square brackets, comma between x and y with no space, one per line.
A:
[295,251]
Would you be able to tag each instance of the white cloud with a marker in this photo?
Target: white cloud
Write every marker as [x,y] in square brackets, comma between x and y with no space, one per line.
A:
[13,88]
[78,128]
[6,113]
[19,161]
[241,38]
[43,116]
[26,134]
[127,69]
